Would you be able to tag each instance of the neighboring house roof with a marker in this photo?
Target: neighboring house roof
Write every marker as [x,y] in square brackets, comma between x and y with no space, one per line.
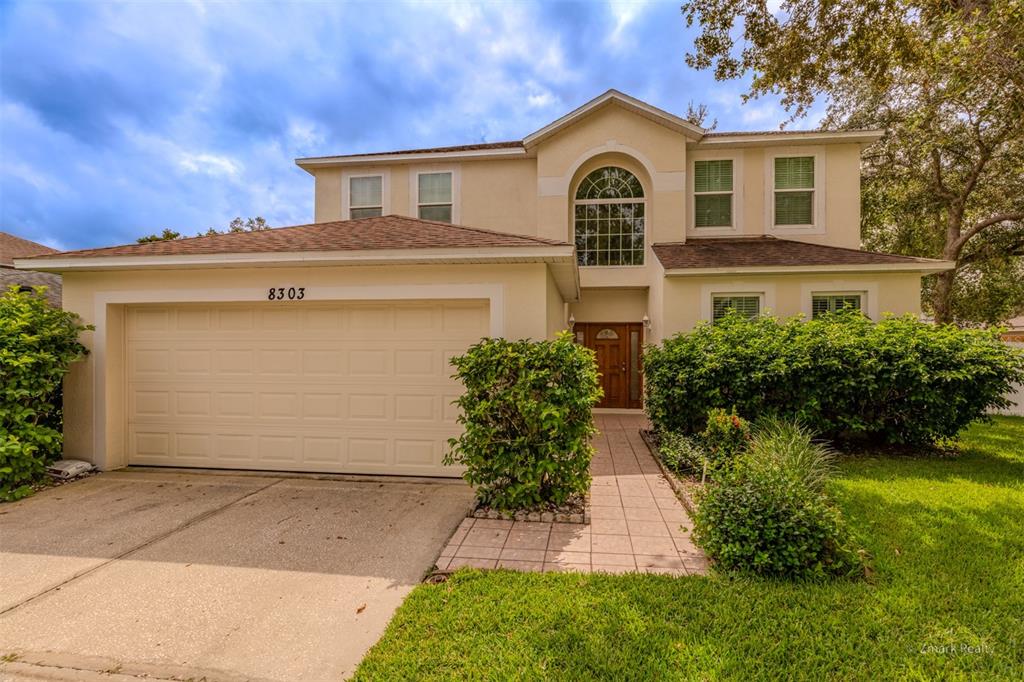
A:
[696,136]
[390,239]
[699,256]
[12,247]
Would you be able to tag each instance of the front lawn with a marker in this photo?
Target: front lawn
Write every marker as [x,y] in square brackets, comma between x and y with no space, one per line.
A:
[946,598]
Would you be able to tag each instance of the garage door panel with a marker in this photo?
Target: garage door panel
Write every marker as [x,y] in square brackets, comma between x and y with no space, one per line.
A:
[355,387]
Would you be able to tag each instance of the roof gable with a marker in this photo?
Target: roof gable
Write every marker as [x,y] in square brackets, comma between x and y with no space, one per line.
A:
[615,98]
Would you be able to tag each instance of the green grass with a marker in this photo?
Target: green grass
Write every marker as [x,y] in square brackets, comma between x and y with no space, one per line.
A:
[947,540]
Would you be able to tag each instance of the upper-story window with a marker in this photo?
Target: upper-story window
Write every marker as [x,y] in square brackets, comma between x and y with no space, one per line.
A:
[609,218]
[794,190]
[712,193]
[366,196]
[434,196]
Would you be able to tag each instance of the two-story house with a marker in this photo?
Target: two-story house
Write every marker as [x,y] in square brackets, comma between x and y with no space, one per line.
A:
[325,347]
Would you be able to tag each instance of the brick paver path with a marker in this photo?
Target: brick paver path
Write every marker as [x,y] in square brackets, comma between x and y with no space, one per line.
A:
[637,523]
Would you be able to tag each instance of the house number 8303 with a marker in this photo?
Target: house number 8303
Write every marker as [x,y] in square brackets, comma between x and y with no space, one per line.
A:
[283,294]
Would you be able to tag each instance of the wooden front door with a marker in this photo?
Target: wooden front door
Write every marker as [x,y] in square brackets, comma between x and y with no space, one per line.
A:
[618,349]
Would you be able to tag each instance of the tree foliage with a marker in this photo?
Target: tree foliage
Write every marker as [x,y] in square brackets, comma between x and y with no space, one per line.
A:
[945,80]
[38,343]
[256,224]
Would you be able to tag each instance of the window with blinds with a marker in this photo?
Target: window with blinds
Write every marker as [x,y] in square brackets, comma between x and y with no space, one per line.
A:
[794,190]
[365,197]
[712,193]
[434,197]
[747,305]
[830,303]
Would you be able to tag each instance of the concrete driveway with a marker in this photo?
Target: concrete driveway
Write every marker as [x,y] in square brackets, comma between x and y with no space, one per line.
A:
[215,577]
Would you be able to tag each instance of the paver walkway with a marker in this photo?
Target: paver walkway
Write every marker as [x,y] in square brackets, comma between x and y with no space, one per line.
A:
[637,523]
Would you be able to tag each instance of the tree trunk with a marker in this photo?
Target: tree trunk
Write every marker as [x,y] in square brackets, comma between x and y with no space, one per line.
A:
[941,294]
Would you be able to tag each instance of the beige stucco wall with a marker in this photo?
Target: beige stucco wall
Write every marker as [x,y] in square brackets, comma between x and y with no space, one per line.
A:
[687,299]
[610,305]
[530,304]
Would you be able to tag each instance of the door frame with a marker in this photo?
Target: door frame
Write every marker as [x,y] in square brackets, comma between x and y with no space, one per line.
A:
[585,328]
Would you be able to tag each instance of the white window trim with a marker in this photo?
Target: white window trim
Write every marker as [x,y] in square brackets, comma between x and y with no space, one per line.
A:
[737,194]
[414,190]
[818,205]
[765,291]
[346,190]
[868,292]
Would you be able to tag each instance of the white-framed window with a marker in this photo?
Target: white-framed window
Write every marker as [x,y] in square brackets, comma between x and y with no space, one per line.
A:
[713,193]
[365,196]
[435,196]
[795,190]
[714,182]
[830,302]
[747,304]
[609,218]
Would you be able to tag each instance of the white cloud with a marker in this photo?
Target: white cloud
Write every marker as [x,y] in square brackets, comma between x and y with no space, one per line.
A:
[624,12]
[209,164]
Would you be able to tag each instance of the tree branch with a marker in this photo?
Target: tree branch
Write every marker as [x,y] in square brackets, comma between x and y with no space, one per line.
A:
[981,225]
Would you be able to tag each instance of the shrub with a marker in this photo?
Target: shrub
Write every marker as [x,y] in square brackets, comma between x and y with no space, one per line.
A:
[897,381]
[527,417]
[37,345]
[770,515]
[763,522]
[790,447]
[725,438]
[681,453]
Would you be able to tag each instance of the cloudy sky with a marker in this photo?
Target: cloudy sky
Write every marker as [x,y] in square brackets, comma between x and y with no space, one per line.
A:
[121,119]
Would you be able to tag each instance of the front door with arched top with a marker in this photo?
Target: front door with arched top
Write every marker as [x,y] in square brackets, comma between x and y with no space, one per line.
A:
[618,348]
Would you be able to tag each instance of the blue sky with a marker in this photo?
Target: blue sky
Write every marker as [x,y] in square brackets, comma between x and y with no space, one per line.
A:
[121,119]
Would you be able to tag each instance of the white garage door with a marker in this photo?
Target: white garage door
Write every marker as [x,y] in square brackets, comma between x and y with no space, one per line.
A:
[346,387]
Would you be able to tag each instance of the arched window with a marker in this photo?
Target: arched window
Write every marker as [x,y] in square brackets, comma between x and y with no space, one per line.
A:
[609,218]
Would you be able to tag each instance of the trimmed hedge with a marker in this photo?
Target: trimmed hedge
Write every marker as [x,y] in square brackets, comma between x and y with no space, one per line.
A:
[37,345]
[897,381]
[527,418]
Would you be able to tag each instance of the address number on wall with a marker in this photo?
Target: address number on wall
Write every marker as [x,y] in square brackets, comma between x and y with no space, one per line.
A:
[286,293]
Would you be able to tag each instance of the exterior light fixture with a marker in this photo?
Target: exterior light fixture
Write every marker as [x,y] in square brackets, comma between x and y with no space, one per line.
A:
[646,322]
[572,322]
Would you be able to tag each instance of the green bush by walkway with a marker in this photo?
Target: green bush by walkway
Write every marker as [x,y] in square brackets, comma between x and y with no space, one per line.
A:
[897,381]
[527,420]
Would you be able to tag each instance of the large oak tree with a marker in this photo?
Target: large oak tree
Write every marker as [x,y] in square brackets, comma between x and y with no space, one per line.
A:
[945,80]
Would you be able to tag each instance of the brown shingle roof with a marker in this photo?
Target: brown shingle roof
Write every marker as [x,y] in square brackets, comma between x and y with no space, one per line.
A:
[385,232]
[733,252]
[12,247]
[480,146]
